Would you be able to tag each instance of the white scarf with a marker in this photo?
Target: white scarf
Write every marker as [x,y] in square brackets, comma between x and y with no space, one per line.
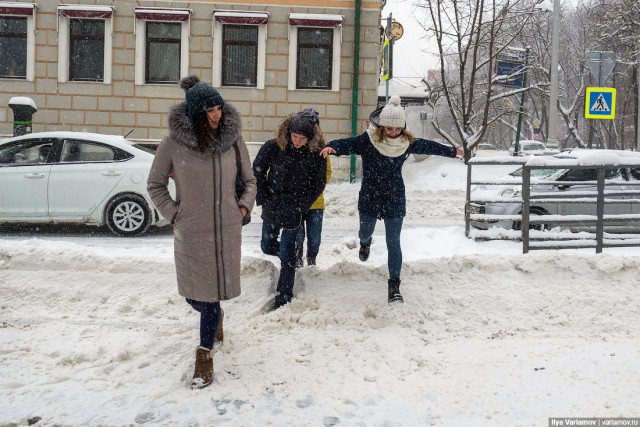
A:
[390,147]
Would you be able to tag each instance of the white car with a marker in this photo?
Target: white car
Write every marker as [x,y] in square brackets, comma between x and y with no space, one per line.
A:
[74,177]
[529,147]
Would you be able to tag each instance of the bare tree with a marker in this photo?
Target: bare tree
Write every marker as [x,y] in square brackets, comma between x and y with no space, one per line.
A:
[617,28]
[470,34]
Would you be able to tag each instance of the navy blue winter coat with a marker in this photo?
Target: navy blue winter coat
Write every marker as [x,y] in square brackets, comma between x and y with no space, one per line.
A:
[289,180]
[382,192]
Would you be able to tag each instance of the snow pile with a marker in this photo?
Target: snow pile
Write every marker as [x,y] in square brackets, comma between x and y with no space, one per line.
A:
[94,332]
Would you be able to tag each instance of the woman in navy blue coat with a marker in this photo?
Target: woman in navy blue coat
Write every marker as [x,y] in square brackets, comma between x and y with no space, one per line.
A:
[384,150]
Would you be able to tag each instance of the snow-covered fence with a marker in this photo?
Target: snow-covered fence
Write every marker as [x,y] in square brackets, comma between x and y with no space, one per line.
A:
[619,197]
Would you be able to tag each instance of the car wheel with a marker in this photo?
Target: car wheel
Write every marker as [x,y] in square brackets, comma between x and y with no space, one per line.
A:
[128,215]
[533,211]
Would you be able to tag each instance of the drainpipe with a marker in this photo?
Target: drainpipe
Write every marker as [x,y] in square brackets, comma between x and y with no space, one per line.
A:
[354,90]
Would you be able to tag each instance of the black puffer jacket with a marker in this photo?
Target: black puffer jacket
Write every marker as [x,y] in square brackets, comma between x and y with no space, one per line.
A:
[289,179]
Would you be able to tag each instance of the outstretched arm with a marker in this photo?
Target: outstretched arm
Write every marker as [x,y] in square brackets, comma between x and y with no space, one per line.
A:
[428,147]
[341,147]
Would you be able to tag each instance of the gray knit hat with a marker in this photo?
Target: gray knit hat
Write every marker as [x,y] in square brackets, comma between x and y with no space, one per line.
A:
[304,122]
[200,96]
[392,115]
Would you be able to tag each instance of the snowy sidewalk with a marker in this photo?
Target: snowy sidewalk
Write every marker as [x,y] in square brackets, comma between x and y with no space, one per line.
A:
[94,336]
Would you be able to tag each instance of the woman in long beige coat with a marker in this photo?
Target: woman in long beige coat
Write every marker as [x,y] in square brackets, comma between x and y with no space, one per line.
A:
[200,154]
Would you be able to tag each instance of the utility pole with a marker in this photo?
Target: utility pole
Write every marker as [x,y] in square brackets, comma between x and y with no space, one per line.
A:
[552,140]
[638,105]
[516,149]
[387,34]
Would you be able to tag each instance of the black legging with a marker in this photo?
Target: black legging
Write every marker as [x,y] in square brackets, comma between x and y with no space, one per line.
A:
[209,318]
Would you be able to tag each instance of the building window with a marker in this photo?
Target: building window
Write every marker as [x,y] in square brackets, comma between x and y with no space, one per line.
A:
[239,47]
[13,47]
[314,51]
[17,41]
[84,43]
[162,62]
[86,50]
[315,54]
[239,55]
[162,45]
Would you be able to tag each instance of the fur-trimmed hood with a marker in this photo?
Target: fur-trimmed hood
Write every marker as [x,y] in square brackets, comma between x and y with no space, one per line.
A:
[181,128]
[283,137]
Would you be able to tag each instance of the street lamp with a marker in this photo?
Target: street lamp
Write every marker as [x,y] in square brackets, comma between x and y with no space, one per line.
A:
[552,141]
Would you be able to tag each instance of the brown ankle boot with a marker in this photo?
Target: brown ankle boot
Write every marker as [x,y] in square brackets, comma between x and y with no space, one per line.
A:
[203,372]
[219,331]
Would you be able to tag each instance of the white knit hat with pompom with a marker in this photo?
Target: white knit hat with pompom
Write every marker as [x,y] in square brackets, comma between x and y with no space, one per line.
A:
[392,114]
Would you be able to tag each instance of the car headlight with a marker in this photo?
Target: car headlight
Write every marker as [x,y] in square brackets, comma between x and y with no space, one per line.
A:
[511,192]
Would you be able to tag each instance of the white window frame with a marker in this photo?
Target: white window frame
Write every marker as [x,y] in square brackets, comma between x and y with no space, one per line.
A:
[218,22]
[319,21]
[31,33]
[64,36]
[141,36]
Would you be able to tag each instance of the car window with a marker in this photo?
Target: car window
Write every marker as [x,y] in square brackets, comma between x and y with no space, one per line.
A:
[632,174]
[74,151]
[26,152]
[588,174]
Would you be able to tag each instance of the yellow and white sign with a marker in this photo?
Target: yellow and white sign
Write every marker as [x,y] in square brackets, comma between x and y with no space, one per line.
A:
[600,103]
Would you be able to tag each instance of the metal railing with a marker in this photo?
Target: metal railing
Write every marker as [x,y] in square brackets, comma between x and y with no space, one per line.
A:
[579,235]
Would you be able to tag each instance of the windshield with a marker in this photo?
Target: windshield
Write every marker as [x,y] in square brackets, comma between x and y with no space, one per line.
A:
[531,147]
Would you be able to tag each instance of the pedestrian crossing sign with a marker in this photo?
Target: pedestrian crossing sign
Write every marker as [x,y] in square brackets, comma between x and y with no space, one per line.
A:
[600,103]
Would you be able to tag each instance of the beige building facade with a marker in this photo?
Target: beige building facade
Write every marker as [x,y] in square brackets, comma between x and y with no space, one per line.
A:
[113,66]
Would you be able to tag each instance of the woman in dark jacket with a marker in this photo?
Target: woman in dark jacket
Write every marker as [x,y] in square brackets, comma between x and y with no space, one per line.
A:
[384,150]
[201,152]
[290,176]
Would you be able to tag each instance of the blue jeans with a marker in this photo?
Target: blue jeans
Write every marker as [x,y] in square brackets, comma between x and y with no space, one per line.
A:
[209,318]
[269,242]
[286,251]
[312,227]
[393,227]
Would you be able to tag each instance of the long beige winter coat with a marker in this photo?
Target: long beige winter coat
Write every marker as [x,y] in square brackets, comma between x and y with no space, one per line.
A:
[206,214]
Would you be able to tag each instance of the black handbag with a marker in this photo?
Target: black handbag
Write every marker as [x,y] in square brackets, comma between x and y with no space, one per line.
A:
[240,184]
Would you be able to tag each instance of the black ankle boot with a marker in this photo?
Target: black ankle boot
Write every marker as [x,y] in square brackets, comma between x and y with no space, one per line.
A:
[394,291]
[365,248]
[311,260]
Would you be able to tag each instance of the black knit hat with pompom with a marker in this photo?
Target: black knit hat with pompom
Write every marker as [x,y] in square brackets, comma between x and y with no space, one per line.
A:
[200,96]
